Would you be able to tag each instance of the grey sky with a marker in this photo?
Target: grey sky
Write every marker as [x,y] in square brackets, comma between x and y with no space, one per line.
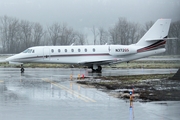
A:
[83,14]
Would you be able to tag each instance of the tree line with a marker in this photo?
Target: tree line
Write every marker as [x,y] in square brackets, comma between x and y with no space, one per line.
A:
[17,35]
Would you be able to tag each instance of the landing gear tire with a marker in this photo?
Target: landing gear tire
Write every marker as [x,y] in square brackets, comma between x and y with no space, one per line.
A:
[99,69]
[22,69]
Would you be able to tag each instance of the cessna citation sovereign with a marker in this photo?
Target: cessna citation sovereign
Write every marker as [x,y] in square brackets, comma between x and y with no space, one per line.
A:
[93,56]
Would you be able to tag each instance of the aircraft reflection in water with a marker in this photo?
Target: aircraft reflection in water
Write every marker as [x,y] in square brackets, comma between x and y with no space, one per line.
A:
[93,56]
[131,109]
[131,113]
[50,91]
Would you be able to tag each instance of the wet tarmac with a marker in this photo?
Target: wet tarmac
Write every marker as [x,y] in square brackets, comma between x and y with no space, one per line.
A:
[49,94]
[66,72]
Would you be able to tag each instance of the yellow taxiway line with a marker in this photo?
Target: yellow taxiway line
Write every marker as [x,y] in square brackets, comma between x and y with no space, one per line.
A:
[80,96]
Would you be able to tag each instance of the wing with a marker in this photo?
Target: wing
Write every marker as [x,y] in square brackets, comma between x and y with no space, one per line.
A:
[100,61]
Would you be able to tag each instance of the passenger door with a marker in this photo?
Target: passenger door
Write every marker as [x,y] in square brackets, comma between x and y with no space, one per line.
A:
[46,54]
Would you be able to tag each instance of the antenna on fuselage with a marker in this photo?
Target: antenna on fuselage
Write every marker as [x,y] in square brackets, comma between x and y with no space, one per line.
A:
[72,44]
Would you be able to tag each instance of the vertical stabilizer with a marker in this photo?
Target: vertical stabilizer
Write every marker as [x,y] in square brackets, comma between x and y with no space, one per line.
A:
[157,32]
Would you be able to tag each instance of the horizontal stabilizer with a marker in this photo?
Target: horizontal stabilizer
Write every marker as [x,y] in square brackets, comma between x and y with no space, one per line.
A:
[171,38]
[156,39]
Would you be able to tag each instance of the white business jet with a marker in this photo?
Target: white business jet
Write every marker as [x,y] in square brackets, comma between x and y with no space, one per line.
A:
[93,56]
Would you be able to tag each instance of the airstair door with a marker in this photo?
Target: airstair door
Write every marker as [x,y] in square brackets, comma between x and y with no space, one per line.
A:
[46,54]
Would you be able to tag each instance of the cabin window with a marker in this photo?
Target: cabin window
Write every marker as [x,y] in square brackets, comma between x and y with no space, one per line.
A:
[59,50]
[94,50]
[33,51]
[52,50]
[85,50]
[65,50]
[72,50]
[79,50]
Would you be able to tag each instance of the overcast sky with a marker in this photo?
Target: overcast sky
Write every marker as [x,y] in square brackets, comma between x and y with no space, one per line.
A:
[83,14]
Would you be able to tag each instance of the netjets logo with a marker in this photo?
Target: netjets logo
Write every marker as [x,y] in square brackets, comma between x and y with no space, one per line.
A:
[122,50]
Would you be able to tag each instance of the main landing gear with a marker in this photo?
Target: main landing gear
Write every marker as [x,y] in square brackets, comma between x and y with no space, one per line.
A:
[22,68]
[96,68]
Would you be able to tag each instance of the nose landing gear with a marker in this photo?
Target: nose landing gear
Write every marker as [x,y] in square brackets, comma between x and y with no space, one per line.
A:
[22,68]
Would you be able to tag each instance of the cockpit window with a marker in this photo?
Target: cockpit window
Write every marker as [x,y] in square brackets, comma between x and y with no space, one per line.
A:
[28,51]
[25,51]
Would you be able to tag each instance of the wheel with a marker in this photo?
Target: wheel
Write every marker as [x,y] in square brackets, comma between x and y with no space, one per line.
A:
[99,69]
[22,70]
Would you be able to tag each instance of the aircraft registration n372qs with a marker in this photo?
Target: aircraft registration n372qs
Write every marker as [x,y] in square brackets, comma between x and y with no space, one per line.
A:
[93,56]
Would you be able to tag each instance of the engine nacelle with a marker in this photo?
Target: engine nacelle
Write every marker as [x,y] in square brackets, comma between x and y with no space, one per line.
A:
[116,50]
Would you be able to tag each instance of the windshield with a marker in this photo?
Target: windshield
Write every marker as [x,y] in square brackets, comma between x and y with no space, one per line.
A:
[28,51]
[25,51]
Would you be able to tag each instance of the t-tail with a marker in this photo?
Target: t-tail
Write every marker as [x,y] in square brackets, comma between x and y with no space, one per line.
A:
[155,37]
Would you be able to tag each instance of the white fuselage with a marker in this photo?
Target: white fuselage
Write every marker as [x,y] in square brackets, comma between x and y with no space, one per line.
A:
[87,54]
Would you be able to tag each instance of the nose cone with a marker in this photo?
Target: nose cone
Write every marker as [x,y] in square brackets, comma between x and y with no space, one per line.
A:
[10,58]
[13,60]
